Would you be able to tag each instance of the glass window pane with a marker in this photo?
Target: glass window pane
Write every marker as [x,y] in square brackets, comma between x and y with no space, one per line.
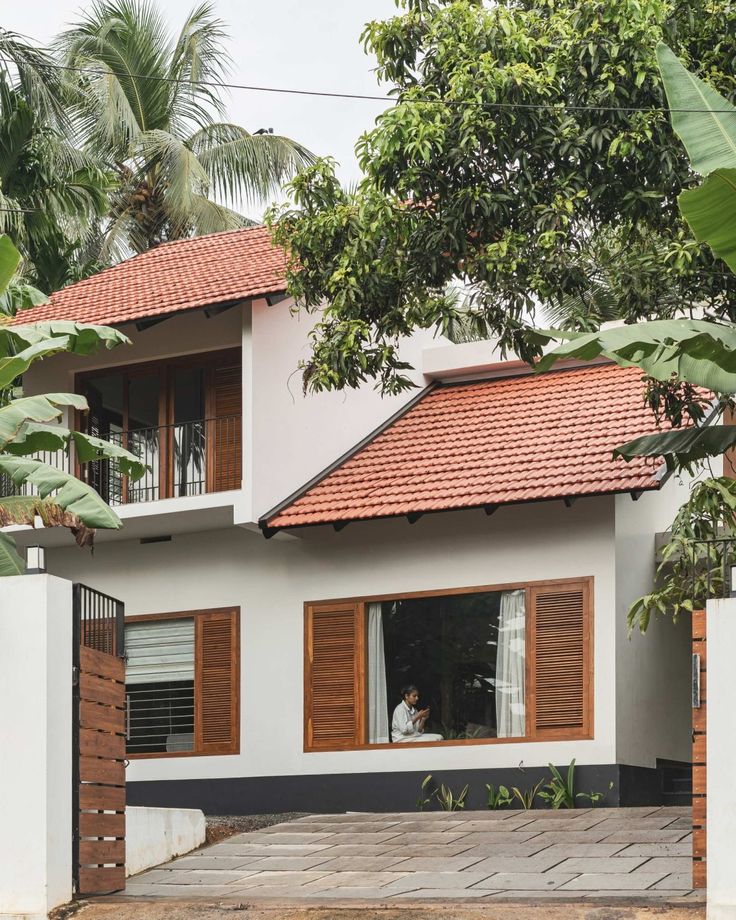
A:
[144,435]
[189,432]
[143,401]
[105,396]
[466,655]
[188,394]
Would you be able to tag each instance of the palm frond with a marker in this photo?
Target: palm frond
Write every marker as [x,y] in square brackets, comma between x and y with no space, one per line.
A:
[199,57]
[246,168]
[33,71]
[208,216]
[181,174]
[127,39]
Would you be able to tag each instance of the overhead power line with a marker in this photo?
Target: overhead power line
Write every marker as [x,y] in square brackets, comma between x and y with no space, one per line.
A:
[366,97]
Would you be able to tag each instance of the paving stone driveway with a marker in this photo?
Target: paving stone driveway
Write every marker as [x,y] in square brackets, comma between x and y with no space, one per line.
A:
[636,853]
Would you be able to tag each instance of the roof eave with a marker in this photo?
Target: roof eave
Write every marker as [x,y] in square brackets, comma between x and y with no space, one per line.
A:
[270,530]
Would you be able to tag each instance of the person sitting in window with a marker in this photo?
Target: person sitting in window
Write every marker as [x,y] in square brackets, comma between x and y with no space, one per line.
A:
[408,721]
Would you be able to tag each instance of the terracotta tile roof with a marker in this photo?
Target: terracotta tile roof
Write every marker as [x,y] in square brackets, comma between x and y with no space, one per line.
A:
[182,275]
[498,441]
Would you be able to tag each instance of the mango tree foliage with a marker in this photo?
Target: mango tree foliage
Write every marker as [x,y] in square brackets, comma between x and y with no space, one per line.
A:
[514,143]
[684,355]
[690,567]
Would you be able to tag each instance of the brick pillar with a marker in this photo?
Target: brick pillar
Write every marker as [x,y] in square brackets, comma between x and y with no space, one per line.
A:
[699,756]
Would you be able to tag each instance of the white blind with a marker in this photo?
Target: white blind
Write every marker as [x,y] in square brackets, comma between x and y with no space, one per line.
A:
[159,651]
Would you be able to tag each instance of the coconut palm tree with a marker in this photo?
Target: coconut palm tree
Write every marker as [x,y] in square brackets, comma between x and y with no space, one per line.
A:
[148,105]
[51,194]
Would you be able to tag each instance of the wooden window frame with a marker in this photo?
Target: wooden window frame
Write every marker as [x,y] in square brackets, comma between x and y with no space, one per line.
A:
[531,735]
[209,361]
[235,666]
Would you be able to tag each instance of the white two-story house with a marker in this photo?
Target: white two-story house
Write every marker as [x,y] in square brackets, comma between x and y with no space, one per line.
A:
[289,563]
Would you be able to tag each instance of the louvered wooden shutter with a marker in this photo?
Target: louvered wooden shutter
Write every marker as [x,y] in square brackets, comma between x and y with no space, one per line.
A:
[217,680]
[226,428]
[561,673]
[334,676]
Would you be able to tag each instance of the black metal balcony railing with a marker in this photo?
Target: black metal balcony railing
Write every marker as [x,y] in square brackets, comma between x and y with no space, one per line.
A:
[194,458]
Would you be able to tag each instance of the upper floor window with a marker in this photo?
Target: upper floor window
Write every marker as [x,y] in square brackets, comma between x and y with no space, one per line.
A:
[182,417]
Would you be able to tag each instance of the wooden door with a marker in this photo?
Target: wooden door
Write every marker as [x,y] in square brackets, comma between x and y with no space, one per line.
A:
[224,428]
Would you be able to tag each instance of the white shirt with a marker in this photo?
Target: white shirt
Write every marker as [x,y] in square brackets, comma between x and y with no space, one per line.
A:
[402,726]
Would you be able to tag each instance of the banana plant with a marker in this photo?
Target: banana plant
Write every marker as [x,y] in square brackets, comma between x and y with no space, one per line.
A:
[32,424]
[705,122]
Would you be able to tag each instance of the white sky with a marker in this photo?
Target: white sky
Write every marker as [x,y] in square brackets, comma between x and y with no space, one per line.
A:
[307,44]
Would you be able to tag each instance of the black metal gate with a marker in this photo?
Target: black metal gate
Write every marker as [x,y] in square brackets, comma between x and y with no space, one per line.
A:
[98,766]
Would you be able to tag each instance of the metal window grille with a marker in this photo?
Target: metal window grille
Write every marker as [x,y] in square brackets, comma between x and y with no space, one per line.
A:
[159,686]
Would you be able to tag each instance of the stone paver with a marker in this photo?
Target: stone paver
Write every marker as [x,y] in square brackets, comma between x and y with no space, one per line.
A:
[457,881]
[441,894]
[657,849]
[527,881]
[540,863]
[357,863]
[606,881]
[580,854]
[569,850]
[588,864]
[436,863]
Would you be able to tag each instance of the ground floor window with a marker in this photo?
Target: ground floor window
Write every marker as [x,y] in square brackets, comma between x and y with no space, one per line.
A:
[458,666]
[464,653]
[182,683]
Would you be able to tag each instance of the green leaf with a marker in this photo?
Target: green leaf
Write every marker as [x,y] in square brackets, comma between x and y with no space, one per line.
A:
[90,448]
[683,447]
[10,561]
[70,493]
[709,136]
[710,210]
[36,438]
[12,367]
[43,408]
[9,260]
[81,338]
[699,352]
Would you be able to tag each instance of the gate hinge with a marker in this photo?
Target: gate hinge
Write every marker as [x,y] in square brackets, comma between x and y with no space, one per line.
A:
[75,675]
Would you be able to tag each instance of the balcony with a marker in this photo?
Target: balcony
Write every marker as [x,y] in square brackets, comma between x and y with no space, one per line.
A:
[193,458]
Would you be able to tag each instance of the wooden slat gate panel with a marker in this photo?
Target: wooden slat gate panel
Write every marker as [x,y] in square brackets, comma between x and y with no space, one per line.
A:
[99,744]
[700,788]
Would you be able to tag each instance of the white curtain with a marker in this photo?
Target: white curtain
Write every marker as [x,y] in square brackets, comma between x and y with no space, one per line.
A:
[377,699]
[510,715]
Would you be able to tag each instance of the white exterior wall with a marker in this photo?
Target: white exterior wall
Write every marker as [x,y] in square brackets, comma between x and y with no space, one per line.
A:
[36,745]
[721,755]
[271,580]
[652,669]
[297,436]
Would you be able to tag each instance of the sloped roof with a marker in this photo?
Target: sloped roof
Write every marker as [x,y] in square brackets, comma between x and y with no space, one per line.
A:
[498,441]
[183,275]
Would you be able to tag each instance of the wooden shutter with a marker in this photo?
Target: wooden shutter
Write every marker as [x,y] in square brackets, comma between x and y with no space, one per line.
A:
[334,676]
[217,682]
[561,665]
[225,428]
